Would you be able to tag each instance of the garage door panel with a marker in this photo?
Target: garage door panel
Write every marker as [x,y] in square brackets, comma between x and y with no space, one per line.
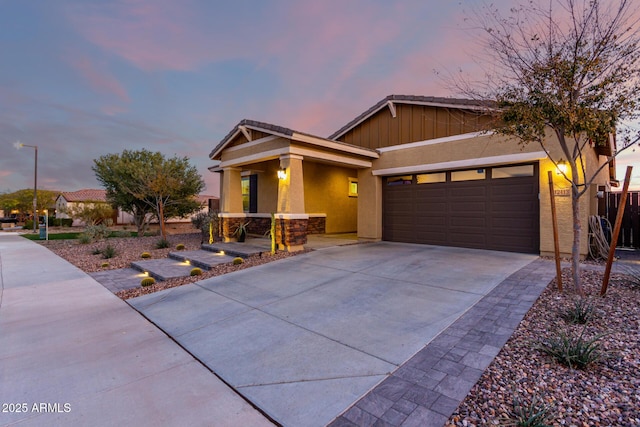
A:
[498,214]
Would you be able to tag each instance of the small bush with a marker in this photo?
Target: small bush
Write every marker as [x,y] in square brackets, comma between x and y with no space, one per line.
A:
[162,244]
[147,281]
[529,414]
[579,313]
[573,351]
[145,255]
[84,238]
[195,271]
[121,233]
[104,265]
[109,252]
[237,261]
[180,247]
[97,232]
[96,251]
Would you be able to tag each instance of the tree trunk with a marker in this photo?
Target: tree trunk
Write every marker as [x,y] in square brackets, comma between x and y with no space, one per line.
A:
[577,229]
[163,232]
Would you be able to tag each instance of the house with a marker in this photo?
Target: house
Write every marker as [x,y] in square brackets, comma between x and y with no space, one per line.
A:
[409,169]
[67,201]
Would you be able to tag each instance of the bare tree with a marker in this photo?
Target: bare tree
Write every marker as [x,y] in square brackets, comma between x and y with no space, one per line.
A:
[569,68]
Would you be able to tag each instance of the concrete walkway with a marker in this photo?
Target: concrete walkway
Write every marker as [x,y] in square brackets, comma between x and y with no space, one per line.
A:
[73,354]
[306,337]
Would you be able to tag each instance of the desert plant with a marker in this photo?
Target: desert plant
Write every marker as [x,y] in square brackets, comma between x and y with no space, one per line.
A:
[180,247]
[147,281]
[237,261]
[632,272]
[104,265]
[97,232]
[96,251]
[206,222]
[145,255]
[195,271]
[84,238]
[574,351]
[162,244]
[109,252]
[579,313]
[534,413]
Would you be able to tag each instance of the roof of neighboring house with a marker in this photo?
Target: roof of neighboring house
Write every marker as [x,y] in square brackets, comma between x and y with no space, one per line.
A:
[85,195]
[412,99]
[203,198]
[277,130]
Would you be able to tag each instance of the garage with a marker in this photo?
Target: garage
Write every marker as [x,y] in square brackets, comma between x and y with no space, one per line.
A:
[493,208]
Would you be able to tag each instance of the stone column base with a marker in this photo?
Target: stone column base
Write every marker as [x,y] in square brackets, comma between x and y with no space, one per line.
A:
[291,234]
[228,226]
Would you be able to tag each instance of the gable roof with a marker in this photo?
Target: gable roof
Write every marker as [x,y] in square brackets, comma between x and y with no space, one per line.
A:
[290,134]
[85,195]
[467,104]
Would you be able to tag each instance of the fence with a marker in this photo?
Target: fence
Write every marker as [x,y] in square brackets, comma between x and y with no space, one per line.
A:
[630,230]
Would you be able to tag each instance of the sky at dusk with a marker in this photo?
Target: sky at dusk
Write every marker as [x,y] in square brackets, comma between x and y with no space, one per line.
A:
[81,79]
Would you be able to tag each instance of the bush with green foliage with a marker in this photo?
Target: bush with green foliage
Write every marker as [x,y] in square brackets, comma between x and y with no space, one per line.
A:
[84,238]
[109,252]
[147,281]
[145,255]
[573,350]
[195,271]
[162,244]
[97,232]
[237,261]
[202,220]
[96,251]
[579,313]
[180,246]
[533,413]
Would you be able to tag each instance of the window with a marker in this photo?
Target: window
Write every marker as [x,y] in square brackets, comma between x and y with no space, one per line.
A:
[245,193]
[400,180]
[353,187]
[512,171]
[468,175]
[431,178]
[250,193]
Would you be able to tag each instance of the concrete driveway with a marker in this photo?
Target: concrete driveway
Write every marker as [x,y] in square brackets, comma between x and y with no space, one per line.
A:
[305,337]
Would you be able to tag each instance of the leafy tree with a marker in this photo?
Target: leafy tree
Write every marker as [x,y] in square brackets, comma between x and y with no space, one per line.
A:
[143,182]
[569,68]
[91,213]
[22,201]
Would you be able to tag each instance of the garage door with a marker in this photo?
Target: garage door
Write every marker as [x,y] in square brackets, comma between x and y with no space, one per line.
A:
[491,208]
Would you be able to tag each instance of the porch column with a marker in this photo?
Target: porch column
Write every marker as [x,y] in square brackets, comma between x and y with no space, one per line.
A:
[291,219]
[231,212]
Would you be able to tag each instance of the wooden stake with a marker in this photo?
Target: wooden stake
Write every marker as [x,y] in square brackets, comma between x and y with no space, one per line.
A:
[616,231]
[556,242]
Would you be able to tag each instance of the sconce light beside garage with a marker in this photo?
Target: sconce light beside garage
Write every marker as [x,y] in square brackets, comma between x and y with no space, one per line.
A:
[562,166]
[282,174]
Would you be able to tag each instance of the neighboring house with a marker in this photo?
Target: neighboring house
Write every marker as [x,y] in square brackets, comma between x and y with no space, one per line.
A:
[69,200]
[409,169]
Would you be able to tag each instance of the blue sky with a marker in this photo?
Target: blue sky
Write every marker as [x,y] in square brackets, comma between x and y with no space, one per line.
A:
[85,78]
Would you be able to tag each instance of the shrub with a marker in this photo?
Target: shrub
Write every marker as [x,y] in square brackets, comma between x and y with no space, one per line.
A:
[529,414]
[195,271]
[104,265]
[96,251]
[97,232]
[162,244]
[145,255]
[147,281]
[84,238]
[180,247]
[579,313]
[573,351]
[109,252]
[121,233]
[237,261]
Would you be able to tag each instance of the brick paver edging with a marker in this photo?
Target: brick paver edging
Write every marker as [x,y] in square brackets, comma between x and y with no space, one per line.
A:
[428,388]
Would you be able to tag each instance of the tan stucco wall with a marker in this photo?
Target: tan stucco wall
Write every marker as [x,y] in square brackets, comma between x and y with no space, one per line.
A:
[369,205]
[252,149]
[326,189]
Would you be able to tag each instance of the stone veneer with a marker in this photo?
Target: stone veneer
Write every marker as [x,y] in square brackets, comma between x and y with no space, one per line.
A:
[295,232]
[316,225]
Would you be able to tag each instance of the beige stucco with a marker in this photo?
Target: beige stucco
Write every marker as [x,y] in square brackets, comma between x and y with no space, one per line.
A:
[230,191]
[369,205]
[291,188]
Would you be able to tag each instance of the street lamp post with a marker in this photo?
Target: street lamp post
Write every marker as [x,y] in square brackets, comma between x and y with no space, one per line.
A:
[18,146]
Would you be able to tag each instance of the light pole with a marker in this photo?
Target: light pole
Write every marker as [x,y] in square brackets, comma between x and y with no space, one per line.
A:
[18,146]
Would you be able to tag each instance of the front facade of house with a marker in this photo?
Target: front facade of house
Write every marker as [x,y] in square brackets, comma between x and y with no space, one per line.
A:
[410,169]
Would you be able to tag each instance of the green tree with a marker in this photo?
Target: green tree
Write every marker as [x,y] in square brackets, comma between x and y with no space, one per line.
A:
[22,201]
[569,68]
[166,187]
[91,213]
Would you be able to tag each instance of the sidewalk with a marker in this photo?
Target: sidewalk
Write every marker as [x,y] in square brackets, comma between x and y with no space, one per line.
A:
[73,354]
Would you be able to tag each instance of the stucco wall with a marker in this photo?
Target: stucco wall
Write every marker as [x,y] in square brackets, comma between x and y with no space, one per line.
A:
[326,190]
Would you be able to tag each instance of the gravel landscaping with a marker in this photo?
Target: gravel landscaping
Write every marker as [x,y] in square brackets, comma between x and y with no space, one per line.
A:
[606,393]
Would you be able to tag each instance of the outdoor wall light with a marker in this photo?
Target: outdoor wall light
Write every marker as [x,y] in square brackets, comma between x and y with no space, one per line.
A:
[563,167]
[282,174]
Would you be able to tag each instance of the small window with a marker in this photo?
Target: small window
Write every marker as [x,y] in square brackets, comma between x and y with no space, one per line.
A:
[245,193]
[353,187]
[468,175]
[400,180]
[512,171]
[431,178]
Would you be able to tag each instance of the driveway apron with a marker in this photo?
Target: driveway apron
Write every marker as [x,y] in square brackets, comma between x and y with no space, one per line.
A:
[305,337]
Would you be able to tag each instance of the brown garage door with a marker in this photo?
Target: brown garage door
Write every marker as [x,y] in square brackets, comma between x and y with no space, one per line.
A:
[491,208]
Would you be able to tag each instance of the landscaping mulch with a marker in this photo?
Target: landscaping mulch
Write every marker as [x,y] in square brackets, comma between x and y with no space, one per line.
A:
[607,393]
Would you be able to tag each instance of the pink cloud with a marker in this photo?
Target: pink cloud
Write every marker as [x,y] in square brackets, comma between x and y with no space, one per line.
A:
[100,80]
